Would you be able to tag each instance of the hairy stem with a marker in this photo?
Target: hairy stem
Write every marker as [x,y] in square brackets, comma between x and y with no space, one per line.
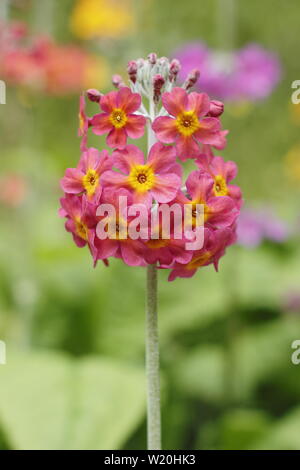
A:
[152,363]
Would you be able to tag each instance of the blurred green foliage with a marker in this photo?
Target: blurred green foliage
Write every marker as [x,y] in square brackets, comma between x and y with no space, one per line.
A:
[75,336]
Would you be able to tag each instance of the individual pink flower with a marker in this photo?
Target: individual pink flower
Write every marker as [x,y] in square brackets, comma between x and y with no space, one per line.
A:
[215,243]
[188,125]
[118,118]
[222,172]
[118,242]
[159,178]
[86,177]
[218,212]
[81,220]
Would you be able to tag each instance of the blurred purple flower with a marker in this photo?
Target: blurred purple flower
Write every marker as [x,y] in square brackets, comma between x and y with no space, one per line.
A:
[291,301]
[254,226]
[250,73]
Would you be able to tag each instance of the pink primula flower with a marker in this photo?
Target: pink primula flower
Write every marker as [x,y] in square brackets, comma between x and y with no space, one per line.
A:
[118,118]
[219,212]
[188,125]
[86,177]
[81,220]
[159,178]
[222,172]
[118,243]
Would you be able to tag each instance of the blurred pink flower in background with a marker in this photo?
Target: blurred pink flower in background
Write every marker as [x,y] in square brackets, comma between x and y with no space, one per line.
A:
[254,226]
[246,74]
[13,190]
[37,62]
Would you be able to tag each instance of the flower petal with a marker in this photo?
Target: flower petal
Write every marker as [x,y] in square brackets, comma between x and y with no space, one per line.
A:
[161,158]
[125,159]
[187,147]
[199,102]
[109,102]
[165,129]
[166,187]
[176,101]
[131,252]
[101,124]
[117,138]
[208,133]
[199,185]
[113,179]
[128,101]
[135,126]
[72,181]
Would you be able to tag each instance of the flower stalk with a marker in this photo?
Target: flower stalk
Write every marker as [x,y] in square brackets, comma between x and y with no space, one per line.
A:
[152,363]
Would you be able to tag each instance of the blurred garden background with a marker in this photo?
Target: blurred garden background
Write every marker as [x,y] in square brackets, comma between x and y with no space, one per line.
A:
[74,335]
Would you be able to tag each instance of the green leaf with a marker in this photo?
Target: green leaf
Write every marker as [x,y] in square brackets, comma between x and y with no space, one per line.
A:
[284,435]
[50,401]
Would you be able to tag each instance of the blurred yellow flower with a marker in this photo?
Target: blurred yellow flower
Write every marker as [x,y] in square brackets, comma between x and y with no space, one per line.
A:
[292,164]
[96,73]
[102,18]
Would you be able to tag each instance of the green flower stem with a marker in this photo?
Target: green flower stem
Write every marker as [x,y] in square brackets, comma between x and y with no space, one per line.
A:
[152,343]
[152,363]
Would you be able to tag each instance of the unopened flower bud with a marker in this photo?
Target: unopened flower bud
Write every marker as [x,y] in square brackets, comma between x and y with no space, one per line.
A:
[174,69]
[163,60]
[117,81]
[132,69]
[192,79]
[93,95]
[140,62]
[158,83]
[216,108]
[152,58]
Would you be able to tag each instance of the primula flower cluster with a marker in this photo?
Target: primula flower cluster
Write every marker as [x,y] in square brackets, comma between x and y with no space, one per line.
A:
[39,63]
[181,124]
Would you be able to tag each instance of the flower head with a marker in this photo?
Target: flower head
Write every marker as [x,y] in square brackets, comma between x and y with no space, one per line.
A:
[164,218]
[118,118]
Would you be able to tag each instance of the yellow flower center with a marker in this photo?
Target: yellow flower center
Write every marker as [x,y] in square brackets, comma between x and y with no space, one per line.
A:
[220,186]
[118,118]
[196,214]
[187,123]
[90,182]
[141,178]
[199,261]
[81,229]
[117,228]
